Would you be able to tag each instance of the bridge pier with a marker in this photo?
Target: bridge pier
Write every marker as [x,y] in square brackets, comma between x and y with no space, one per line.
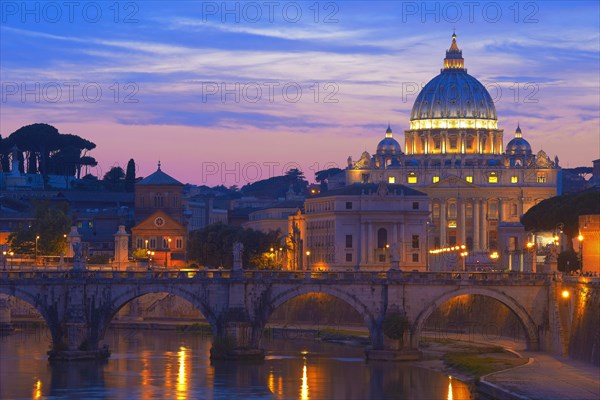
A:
[5,318]
[384,348]
[237,338]
[75,341]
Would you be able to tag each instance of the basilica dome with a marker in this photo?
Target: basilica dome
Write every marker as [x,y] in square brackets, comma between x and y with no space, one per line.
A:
[518,145]
[453,95]
[388,145]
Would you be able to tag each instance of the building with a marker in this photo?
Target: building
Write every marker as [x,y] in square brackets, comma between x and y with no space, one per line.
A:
[364,227]
[589,245]
[160,225]
[454,152]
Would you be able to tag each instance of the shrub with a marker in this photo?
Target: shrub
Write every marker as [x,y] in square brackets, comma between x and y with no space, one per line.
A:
[394,325]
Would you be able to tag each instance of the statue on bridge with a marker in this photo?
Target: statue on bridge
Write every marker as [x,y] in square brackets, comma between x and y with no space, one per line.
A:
[238,250]
[79,259]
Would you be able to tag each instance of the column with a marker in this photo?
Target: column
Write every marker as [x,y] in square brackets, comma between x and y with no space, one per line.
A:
[476,206]
[369,242]
[363,244]
[402,244]
[462,222]
[500,210]
[443,223]
[478,143]
[483,226]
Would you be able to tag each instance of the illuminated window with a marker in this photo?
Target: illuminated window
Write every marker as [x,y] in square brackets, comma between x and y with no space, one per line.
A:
[469,179]
[453,142]
[493,178]
[470,140]
[541,177]
[412,178]
[514,179]
[436,179]
[392,179]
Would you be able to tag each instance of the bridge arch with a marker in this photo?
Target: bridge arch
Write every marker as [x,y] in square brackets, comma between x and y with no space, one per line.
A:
[50,315]
[528,323]
[125,297]
[345,295]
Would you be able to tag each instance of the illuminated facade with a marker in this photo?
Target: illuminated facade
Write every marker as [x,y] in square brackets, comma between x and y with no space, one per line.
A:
[455,153]
[360,227]
[160,224]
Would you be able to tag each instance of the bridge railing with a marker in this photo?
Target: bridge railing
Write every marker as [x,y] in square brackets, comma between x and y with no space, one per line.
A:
[183,274]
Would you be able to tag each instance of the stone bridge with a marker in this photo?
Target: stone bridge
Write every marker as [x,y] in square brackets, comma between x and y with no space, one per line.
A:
[78,306]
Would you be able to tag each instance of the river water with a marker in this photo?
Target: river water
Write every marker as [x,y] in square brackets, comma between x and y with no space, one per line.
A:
[175,365]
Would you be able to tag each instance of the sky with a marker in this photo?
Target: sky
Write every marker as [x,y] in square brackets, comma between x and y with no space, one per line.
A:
[233,92]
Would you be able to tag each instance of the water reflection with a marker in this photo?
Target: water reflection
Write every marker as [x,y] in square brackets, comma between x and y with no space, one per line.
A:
[176,365]
[304,387]
[37,389]
[182,384]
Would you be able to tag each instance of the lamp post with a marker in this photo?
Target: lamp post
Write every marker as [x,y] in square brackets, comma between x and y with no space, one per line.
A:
[168,255]
[4,254]
[531,247]
[464,255]
[580,238]
[307,261]
[37,238]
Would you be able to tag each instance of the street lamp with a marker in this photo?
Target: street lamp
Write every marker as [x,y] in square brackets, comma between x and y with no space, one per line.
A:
[580,238]
[4,253]
[150,255]
[531,247]
[37,238]
[464,255]
[307,262]
[168,254]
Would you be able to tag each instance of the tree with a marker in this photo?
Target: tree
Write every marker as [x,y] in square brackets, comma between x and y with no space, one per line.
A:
[130,176]
[114,178]
[213,245]
[568,261]
[565,210]
[323,175]
[38,141]
[277,186]
[51,223]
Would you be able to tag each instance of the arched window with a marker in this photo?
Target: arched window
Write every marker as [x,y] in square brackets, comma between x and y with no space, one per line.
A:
[381,238]
[452,211]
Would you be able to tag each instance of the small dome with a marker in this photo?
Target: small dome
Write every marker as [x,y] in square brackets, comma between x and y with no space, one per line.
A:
[518,145]
[389,146]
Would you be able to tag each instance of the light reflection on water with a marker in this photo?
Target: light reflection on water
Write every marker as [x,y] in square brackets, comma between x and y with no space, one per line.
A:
[168,364]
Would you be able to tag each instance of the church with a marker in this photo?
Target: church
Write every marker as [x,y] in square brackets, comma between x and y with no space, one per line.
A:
[455,153]
[160,228]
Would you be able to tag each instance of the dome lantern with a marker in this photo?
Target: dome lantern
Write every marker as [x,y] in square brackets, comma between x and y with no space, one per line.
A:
[454,58]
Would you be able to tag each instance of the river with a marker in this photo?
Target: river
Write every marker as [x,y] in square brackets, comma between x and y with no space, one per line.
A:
[175,365]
